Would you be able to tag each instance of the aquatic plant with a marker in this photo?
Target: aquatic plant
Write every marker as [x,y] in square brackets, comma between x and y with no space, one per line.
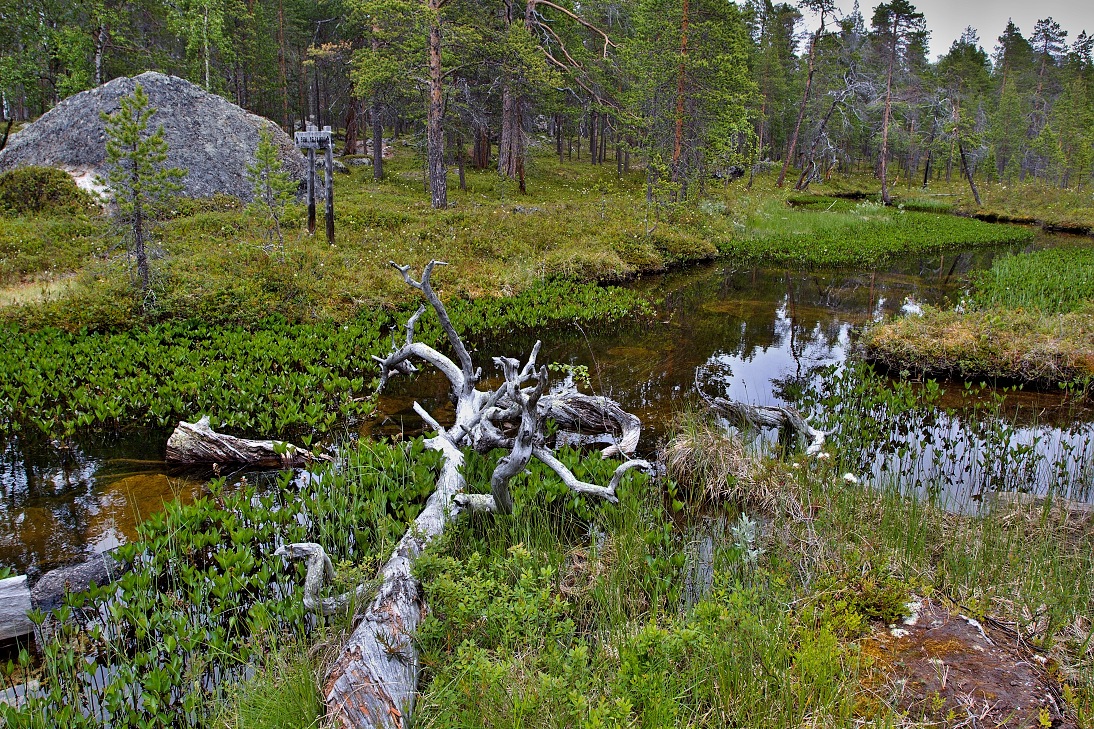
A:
[273,378]
[1056,280]
[205,599]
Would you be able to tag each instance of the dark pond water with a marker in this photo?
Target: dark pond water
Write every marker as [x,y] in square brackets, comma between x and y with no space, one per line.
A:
[752,333]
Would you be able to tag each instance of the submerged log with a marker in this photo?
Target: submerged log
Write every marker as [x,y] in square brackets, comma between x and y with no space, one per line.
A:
[197,443]
[771,416]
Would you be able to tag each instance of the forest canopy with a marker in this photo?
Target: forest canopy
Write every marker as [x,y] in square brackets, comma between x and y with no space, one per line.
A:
[692,88]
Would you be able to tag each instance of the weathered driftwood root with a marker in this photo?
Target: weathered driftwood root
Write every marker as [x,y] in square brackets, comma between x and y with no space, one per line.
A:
[194,443]
[766,416]
[374,681]
[594,414]
[771,416]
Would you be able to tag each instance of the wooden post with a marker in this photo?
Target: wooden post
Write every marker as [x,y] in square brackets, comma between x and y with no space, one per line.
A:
[312,139]
[330,186]
[311,191]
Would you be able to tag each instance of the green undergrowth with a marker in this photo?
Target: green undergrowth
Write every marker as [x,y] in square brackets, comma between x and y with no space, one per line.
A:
[836,232]
[559,617]
[1049,281]
[206,604]
[579,222]
[273,377]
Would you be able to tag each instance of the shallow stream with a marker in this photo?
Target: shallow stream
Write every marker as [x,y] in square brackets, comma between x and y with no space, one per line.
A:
[754,334]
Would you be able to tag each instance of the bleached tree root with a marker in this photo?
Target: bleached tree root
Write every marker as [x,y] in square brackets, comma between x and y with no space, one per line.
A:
[197,443]
[771,416]
[374,681]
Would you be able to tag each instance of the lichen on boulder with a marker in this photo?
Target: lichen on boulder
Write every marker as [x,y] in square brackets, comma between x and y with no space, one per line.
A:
[208,136]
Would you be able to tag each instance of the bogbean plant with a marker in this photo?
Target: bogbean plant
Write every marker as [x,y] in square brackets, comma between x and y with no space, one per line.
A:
[957,450]
[205,600]
[277,377]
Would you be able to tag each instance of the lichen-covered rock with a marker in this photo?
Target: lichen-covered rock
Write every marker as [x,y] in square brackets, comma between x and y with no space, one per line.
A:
[211,138]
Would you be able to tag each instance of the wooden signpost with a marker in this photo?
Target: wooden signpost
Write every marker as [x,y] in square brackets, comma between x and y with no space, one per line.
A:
[311,140]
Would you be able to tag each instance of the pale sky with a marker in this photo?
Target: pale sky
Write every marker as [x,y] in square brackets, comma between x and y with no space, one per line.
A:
[946,19]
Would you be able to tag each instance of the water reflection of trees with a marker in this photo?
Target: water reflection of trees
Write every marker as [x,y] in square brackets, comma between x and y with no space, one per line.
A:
[60,503]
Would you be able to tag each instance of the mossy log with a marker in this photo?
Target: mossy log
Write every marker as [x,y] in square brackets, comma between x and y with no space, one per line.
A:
[197,443]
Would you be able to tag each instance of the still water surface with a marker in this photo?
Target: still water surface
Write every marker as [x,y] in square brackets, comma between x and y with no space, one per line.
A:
[749,333]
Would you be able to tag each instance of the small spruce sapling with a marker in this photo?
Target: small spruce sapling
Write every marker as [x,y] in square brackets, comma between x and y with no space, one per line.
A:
[138,176]
[273,188]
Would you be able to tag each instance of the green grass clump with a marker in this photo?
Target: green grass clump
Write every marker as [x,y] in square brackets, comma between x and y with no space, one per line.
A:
[994,344]
[844,233]
[1050,281]
[283,693]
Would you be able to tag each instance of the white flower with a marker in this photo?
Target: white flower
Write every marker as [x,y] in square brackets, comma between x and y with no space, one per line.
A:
[824,456]
[850,478]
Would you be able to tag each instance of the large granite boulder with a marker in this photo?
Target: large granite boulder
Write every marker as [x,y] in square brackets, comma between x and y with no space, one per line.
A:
[207,135]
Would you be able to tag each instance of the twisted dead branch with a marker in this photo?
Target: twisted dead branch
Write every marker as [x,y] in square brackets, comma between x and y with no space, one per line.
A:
[373,683]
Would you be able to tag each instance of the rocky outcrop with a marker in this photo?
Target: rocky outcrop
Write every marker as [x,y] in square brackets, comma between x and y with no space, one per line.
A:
[210,137]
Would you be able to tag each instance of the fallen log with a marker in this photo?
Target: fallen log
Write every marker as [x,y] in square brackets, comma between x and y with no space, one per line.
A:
[771,416]
[374,681]
[14,606]
[197,443]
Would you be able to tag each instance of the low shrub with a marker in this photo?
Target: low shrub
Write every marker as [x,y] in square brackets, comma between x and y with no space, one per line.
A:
[38,190]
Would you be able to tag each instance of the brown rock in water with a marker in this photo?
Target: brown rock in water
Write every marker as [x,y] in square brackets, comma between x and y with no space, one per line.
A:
[208,136]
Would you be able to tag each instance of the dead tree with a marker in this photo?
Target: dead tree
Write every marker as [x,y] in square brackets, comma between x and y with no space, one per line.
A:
[198,443]
[374,681]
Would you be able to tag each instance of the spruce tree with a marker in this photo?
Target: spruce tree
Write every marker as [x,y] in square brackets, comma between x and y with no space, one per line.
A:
[138,176]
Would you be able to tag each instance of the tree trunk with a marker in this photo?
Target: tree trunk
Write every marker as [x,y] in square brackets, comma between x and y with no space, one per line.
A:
[138,236]
[510,146]
[377,141]
[101,35]
[593,144]
[459,161]
[801,107]
[194,443]
[350,146]
[438,182]
[558,136]
[681,87]
[885,198]
[968,172]
[14,605]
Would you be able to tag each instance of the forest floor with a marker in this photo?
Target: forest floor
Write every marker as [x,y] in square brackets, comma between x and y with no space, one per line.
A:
[214,261]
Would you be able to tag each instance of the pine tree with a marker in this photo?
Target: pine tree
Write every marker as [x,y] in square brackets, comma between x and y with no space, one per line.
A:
[273,188]
[138,176]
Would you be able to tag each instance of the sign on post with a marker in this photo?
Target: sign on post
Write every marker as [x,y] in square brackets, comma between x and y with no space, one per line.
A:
[313,139]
